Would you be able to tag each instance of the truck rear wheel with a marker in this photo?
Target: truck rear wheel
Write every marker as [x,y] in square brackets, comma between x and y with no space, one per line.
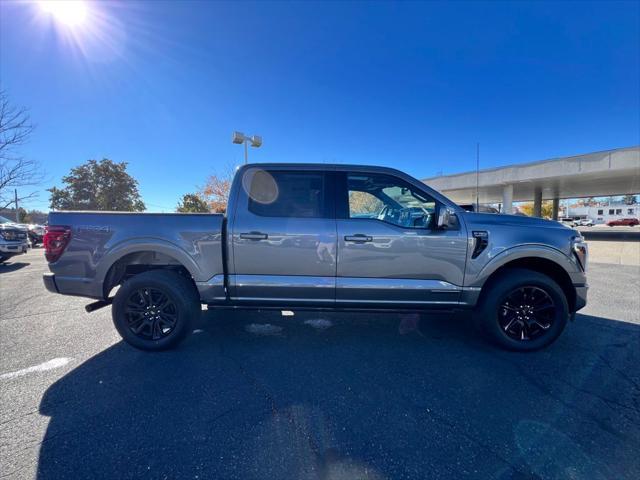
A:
[523,310]
[155,310]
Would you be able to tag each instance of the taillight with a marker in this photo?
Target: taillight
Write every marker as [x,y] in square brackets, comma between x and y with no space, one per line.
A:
[56,238]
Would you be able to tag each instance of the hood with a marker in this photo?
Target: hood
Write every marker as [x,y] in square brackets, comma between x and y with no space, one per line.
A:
[507,231]
[511,220]
[12,226]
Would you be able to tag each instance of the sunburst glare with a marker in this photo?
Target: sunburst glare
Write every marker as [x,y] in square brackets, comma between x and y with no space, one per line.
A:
[85,27]
[71,13]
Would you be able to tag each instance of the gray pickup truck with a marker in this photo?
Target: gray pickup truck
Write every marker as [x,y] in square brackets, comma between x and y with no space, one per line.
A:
[321,236]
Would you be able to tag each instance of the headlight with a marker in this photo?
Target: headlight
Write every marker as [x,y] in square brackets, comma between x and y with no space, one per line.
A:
[581,251]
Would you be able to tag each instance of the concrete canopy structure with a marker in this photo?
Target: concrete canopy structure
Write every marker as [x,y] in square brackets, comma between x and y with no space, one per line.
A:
[611,172]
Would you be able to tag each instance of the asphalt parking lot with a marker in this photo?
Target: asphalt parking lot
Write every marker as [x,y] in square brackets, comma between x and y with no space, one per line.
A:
[316,396]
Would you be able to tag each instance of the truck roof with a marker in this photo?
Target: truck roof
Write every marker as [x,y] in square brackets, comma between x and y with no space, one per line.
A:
[324,166]
[340,167]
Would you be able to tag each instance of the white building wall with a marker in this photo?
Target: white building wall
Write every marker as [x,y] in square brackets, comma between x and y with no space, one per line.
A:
[602,214]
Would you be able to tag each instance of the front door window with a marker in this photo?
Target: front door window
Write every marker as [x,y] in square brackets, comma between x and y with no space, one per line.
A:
[390,200]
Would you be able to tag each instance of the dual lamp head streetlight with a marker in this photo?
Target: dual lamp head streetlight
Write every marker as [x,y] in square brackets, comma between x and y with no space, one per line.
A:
[254,140]
[240,138]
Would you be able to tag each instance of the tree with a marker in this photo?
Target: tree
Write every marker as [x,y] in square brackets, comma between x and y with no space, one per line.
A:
[103,185]
[216,190]
[15,170]
[547,209]
[630,199]
[192,203]
[364,202]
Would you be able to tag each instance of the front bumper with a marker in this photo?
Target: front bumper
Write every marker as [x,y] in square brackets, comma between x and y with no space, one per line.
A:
[13,249]
[581,296]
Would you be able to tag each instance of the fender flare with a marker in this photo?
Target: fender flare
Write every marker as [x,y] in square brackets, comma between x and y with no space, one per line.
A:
[523,251]
[147,245]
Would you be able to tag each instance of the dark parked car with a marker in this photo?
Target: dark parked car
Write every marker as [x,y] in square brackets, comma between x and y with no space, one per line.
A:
[35,232]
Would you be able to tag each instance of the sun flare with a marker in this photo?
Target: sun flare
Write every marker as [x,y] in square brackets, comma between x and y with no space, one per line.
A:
[72,13]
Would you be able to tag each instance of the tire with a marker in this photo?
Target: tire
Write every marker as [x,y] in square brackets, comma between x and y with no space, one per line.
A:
[513,311]
[155,310]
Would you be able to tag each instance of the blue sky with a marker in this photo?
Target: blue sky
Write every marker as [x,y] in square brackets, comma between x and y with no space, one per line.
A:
[162,85]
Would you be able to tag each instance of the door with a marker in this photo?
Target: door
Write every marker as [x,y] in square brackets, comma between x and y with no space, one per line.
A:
[284,238]
[389,250]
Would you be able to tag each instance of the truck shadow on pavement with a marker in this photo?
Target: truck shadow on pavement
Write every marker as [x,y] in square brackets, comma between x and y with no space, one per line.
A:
[12,267]
[345,397]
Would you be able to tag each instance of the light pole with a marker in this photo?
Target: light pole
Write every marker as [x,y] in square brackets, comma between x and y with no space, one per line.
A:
[239,137]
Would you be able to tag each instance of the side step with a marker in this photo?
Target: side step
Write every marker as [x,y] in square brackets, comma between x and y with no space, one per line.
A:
[97,305]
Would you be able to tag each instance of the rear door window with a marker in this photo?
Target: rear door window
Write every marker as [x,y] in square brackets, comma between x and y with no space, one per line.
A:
[282,193]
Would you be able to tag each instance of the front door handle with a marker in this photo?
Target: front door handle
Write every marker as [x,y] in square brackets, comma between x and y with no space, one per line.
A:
[254,236]
[358,238]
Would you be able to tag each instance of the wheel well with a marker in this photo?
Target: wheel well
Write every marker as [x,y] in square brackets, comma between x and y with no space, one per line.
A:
[544,266]
[138,262]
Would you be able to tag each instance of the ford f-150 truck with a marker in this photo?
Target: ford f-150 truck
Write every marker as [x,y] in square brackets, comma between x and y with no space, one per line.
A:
[321,236]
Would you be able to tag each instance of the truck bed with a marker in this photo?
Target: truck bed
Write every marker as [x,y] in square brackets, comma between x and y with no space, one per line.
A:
[100,239]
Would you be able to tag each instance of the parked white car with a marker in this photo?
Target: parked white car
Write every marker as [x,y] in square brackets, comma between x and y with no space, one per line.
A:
[583,222]
[14,239]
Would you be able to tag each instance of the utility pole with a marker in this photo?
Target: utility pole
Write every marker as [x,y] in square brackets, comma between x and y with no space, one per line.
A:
[15,193]
[477,176]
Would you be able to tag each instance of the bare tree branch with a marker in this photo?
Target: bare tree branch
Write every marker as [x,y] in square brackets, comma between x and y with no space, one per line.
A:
[15,126]
[4,203]
[15,170]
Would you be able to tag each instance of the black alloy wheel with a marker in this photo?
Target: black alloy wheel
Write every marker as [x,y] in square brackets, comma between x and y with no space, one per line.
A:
[155,310]
[150,314]
[522,310]
[526,313]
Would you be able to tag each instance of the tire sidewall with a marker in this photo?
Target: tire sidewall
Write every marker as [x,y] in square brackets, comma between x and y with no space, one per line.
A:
[184,307]
[498,293]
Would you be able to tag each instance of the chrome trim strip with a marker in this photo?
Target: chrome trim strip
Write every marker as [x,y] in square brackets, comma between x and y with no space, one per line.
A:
[397,284]
[399,302]
[281,281]
[281,300]
[282,288]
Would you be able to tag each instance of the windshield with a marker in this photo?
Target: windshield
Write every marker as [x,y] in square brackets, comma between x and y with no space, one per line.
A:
[5,220]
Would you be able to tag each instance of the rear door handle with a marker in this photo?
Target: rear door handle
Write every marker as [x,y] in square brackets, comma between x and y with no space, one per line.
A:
[358,238]
[254,236]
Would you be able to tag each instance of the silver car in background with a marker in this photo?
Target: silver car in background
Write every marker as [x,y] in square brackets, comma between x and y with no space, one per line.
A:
[14,239]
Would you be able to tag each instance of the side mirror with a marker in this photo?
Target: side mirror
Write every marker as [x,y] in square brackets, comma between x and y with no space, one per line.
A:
[444,218]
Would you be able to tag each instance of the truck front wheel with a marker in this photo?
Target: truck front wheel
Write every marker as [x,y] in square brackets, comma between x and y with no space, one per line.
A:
[523,310]
[155,310]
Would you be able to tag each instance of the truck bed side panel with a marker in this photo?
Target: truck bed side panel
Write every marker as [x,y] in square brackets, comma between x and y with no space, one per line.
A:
[98,240]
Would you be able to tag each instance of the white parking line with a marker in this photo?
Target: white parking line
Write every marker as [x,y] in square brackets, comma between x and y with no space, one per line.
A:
[43,367]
